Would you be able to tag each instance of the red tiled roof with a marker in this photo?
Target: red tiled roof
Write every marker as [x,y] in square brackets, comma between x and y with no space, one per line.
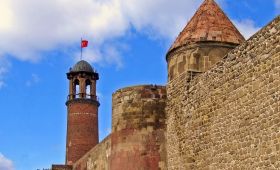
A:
[209,23]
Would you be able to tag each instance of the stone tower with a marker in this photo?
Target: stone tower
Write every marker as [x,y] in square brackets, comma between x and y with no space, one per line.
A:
[82,106]
[208,36]
[138,128]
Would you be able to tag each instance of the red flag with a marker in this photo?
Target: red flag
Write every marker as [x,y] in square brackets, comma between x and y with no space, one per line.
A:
[84,43]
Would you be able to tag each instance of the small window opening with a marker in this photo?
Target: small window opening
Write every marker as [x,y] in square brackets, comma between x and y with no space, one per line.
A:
[88,89]
[77,88]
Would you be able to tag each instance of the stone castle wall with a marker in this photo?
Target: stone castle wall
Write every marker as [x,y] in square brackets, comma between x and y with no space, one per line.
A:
[138,128]
[228,117]
[62,167]
[97,158]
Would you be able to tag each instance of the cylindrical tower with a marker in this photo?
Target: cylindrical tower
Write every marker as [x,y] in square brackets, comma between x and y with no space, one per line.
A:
[82,111]
[138,128]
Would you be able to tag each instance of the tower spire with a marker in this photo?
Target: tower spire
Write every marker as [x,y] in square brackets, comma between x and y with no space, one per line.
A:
[209,23]
[204,41]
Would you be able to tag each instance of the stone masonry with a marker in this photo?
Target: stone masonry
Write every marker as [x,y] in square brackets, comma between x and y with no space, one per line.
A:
[138,128]
[97,158]
[228,117]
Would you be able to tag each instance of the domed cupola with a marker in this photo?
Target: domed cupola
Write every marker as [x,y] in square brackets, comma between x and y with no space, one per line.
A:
[82,81]
[82,66]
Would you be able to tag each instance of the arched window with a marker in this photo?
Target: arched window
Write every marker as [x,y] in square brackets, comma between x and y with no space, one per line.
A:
[76,88]
[88,88]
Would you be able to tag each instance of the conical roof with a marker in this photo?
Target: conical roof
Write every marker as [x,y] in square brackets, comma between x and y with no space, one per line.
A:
[209,23]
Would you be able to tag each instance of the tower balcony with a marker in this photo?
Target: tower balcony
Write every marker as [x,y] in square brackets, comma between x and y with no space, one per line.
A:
[82,96]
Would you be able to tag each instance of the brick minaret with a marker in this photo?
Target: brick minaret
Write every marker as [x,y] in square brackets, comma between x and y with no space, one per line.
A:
[82,108]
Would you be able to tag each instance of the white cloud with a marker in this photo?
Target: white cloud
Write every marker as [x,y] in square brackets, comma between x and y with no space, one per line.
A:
[4,68]
[30,27]
[33,80]
[247,27]
[5,163]
[159,17]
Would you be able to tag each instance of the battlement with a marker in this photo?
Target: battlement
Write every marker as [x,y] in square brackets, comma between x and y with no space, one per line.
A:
[146,91]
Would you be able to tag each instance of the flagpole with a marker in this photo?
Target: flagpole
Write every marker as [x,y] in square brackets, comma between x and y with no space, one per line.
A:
[81,48]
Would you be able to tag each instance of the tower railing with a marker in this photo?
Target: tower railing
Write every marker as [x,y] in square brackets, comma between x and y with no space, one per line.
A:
[82,96]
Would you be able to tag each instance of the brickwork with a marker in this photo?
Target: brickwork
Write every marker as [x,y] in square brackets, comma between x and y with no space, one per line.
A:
[138,139]
[82,128]
[228,117]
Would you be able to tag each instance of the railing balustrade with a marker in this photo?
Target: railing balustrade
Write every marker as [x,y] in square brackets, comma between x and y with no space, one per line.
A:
[82,96]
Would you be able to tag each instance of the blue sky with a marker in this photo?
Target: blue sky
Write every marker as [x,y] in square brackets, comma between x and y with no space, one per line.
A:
[128,40]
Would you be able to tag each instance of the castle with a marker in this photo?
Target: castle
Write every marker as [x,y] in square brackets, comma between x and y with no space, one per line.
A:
[219,110]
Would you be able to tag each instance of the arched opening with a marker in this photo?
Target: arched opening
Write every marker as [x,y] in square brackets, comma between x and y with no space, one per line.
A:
[76,88]
[88,89]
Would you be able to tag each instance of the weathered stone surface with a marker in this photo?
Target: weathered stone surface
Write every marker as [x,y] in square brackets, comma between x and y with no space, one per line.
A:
[197,58]
[62,167]
[228,117]
[97,158]
[138,137]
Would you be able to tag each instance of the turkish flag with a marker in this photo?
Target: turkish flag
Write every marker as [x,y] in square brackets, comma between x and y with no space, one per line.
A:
[84,43]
